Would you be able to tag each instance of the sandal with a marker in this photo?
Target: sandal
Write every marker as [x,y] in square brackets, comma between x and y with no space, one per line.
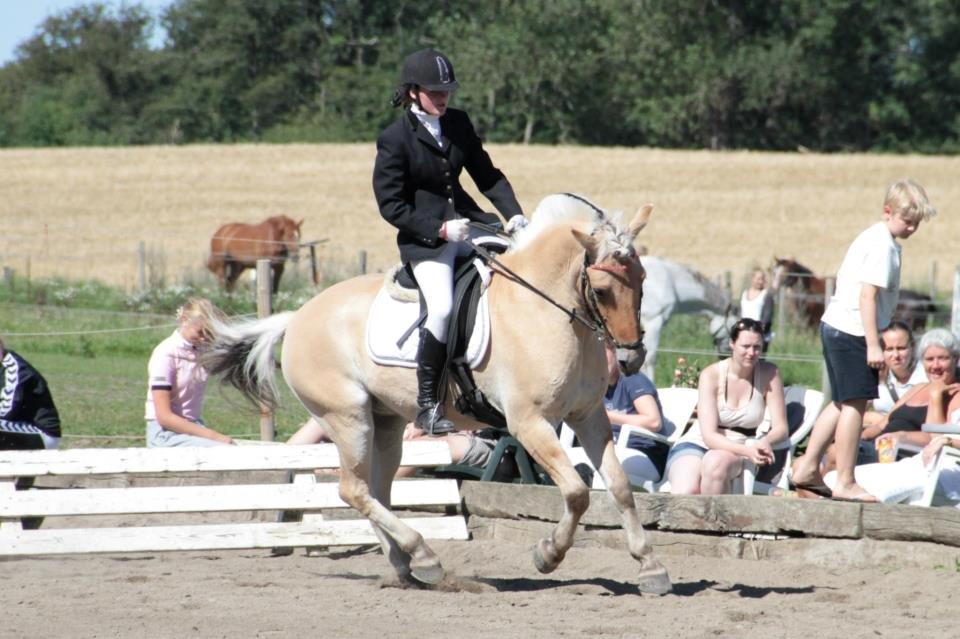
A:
[819,488]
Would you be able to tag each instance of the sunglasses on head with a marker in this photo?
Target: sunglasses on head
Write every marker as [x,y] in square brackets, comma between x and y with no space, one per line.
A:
[748,324]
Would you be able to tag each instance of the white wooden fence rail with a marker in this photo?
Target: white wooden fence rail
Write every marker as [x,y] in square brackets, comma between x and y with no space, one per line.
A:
[210,496]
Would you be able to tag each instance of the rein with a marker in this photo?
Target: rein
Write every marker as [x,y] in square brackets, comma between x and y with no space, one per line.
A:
[596,323]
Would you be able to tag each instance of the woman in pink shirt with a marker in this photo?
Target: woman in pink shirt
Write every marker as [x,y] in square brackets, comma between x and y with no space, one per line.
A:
[177,382]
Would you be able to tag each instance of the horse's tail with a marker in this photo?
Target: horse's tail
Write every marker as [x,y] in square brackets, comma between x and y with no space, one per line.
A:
[241,353]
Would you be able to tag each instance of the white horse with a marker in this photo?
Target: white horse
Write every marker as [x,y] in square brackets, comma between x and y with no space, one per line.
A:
[674,288]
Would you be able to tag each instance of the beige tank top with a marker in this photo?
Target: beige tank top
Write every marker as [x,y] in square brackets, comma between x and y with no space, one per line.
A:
[737,424]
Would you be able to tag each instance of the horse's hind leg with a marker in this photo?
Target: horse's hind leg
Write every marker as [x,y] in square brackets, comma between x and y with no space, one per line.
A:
[593,435]
[387,452]
[540,440]
[353,434]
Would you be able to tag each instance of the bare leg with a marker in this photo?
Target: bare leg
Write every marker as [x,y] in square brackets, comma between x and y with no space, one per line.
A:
[806,470]
[848,440]
[594,434]
[684,475]
[718,469]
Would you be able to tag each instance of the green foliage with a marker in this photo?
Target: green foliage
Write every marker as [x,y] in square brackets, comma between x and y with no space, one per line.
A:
[827,75]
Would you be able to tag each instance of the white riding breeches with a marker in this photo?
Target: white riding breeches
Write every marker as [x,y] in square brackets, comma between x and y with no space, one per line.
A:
[435,279]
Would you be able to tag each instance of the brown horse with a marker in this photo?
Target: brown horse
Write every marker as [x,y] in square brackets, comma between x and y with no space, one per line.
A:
[541,367]
[236,247]
[913,309]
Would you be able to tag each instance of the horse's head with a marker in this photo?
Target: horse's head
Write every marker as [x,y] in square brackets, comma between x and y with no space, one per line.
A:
[287,232]
[612,278]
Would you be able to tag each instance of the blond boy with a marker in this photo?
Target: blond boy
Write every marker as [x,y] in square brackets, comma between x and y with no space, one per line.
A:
[867,291]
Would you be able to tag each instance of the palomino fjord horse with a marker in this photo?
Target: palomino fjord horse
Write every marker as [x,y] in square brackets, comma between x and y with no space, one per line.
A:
[809,291]
[236,247]
[541,367]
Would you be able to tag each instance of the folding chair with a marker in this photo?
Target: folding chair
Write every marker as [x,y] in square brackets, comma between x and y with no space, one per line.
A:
[678,405]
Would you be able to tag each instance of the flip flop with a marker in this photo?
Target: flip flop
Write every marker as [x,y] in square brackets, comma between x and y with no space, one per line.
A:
[819,489]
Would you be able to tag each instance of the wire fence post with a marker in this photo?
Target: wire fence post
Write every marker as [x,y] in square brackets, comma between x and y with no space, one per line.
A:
[264,309]
[142,265]
[782,311]
[829,283]
[955,308]
[362,262]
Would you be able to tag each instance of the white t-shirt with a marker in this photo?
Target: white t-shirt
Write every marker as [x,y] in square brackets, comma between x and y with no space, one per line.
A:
[173,366]
[885,401]
[753,308]
[873,258]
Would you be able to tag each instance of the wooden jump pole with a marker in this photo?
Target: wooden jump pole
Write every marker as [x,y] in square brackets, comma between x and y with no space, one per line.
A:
[264,309]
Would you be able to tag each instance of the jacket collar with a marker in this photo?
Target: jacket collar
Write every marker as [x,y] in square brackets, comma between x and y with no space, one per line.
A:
[424,135]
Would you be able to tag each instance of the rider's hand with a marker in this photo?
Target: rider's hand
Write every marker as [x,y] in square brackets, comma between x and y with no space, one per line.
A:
[455,230]
[516,223]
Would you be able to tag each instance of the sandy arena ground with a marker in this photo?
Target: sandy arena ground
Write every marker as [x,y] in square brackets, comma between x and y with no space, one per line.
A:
[500,594]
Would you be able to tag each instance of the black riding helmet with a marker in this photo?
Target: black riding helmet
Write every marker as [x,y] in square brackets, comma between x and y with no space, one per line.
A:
[430,70]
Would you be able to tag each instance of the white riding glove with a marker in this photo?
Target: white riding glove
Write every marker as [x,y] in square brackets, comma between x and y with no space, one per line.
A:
[516,223]
[455,230]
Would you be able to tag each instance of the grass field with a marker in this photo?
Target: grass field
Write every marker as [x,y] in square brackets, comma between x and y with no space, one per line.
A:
[81,213]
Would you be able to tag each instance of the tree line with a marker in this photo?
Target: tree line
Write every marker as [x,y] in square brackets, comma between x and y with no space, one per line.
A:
[827,75]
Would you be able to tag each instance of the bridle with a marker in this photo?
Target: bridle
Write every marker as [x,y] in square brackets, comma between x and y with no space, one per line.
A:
[595,321]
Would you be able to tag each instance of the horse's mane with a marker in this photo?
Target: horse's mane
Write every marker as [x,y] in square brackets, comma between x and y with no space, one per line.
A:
[563,208]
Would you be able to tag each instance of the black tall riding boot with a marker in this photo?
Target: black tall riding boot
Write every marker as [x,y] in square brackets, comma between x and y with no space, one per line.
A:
[431,360]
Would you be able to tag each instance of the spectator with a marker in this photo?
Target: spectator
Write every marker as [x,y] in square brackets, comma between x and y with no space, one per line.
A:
[470,448]
[28,417]
[901,370]
[735,395]
[931,402]
[868,287]
[892,483]
[632,400]
[178,382]
[756,303]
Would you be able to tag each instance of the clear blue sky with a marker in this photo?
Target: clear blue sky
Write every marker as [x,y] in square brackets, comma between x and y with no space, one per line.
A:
[19,19]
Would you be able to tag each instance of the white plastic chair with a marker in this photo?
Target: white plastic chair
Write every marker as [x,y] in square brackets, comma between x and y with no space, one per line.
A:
[812,403]
[678,405]
[947,456]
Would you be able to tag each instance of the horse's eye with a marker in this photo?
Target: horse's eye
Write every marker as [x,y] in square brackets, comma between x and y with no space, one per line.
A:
[602,293]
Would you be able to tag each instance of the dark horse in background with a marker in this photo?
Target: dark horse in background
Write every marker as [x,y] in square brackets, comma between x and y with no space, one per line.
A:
[236,247]
[913,309]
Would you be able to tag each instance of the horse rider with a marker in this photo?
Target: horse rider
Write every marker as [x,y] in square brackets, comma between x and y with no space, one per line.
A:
[416,181]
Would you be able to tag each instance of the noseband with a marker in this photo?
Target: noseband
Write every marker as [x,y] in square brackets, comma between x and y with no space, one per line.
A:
[589,295]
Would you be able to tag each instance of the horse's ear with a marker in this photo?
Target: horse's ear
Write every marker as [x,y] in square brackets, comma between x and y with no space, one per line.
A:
[300,223]
[586,240]
[640,219]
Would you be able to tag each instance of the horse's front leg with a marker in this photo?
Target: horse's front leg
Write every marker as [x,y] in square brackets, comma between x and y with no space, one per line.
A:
[539,438]
[594,435]
[651,341]
[277,274]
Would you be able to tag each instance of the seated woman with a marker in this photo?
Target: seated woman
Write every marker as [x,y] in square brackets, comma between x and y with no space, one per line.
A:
[893,483]
[901,371]
[28,417]
[927,403]
[178,382]
[632,400]
[735,394]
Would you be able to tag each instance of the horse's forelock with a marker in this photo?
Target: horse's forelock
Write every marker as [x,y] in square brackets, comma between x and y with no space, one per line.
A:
[606,226]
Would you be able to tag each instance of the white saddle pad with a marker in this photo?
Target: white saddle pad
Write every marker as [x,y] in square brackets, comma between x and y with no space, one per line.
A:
[390,318]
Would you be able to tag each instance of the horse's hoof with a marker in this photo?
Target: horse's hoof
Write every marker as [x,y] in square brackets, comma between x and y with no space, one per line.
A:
[428,573]
[655,581]
[541,551]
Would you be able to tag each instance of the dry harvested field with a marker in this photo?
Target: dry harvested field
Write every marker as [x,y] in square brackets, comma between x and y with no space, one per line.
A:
[81,213]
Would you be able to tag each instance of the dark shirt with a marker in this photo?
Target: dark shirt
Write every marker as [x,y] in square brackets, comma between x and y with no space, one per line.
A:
[25,397]
[906,418]
[620,398]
